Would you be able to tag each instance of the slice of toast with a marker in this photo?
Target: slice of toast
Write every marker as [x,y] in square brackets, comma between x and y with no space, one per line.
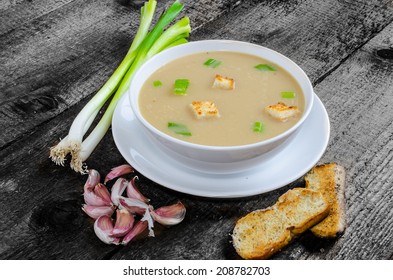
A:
[302,209]
[261,233]
[329,179]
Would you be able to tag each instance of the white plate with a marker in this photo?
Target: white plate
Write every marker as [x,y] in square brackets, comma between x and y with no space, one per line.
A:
[291,163]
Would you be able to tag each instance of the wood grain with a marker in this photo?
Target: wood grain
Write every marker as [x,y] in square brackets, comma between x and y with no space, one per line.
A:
[14,14]
[54,59]
[358,96]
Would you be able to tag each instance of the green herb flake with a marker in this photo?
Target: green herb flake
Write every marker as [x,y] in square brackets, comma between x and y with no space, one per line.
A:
[288,94]
[264,67]
[213,63]
[179,129]
[157,83]
[181,86]
[258,127]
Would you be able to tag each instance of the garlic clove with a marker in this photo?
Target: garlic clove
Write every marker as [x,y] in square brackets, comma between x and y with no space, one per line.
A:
[138,228]
[117,190]
[118,171]
[135,206]
[91,198]
[169,215]
[133,191]
[124,223]
[102,191]
[92,180]
[103,226]
[97,196]
[97,211]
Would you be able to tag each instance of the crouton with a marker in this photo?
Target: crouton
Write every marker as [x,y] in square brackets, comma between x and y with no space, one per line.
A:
[223,82]
[281,111]
[203,109]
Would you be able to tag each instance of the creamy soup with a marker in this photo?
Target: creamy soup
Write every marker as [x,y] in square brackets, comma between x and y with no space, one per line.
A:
[221,99]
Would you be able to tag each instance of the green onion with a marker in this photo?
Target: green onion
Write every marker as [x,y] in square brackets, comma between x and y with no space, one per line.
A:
[258,127]
[181,86]
[179,128]
[145,45]
[213,63]
[264,67]
[288,94]
[157,83]
[171,36]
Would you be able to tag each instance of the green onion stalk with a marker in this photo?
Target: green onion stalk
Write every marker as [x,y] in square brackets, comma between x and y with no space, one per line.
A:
[145,45]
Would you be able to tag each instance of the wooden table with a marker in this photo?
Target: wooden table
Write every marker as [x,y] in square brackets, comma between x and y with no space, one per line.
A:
[54,55]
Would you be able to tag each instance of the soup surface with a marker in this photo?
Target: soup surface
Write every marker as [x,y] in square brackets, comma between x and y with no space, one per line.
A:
[167,96]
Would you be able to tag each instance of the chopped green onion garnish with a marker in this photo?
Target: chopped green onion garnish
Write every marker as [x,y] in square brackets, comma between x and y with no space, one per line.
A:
[288,94]
[265,67]
[179,128]
[157,83]
[181,86]
[258,127]
[211,62]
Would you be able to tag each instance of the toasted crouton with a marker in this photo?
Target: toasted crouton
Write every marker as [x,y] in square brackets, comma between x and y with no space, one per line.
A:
[329,179]
[223,82]
[281,111]
[203,109]
[261,233]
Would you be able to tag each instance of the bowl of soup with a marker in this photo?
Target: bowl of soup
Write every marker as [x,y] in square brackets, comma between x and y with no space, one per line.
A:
[220,106]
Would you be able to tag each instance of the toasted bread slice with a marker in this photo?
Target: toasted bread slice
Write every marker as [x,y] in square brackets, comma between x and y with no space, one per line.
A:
[329,179]
[300,204]
[203,109]
[281,111]
[261,233]
[223,82]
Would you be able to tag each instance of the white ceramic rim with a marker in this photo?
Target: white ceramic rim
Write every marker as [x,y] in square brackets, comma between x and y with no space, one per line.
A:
[217,45]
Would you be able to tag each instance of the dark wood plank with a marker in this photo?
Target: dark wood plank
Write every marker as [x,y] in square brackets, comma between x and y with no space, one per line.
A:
[317,35]
[358,96]
[64,43]
[13,14]
[41,204]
